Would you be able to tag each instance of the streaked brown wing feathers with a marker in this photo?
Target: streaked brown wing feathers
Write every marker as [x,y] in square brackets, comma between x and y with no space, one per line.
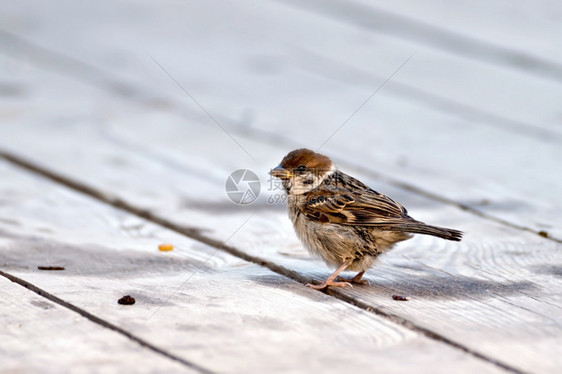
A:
[368,208]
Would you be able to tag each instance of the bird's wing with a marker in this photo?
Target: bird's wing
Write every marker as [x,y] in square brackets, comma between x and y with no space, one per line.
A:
[345,207]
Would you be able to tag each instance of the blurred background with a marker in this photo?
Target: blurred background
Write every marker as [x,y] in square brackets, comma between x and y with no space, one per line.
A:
[459,100]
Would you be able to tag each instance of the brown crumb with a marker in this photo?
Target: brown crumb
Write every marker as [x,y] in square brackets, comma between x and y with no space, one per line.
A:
[543,233]
[50,267]
[165,247]
[126,300]
[400,298]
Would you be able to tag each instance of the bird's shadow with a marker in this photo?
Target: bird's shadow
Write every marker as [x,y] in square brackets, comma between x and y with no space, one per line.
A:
[428,286]
[435,286]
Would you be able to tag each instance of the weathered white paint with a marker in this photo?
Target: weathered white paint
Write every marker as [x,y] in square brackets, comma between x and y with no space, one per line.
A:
[204,306]
[532,28]
[496,161]
[39,336]
[451,303]
[497,292]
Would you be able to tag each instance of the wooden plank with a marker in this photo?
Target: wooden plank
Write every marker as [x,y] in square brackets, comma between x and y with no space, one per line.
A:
[527,27]
[527,198]
[481,95]
[275,61]
[170,151]
[455,289]
[39,336]
[387,132]
[389,21]
[204,306]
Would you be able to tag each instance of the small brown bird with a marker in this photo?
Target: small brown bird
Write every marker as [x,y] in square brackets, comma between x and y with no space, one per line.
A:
[342,220]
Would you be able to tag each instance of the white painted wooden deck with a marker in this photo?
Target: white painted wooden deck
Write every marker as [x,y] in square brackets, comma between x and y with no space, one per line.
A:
[121,121]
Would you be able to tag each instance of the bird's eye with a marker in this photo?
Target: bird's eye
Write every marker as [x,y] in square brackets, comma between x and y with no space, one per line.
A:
[301,168]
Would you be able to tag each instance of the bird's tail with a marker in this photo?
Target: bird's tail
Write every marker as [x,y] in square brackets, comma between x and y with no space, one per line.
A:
[422,228]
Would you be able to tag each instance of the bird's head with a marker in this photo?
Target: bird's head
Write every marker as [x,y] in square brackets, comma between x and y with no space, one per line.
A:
[302,170]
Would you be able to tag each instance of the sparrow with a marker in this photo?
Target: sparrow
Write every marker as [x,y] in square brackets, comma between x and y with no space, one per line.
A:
[342,220]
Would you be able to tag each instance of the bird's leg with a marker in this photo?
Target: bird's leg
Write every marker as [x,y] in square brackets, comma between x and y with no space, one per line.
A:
[356,279]
[330,280]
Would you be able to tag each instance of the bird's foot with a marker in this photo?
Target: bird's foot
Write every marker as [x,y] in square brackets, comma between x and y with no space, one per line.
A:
[353,280]
[328,284]
[356,279]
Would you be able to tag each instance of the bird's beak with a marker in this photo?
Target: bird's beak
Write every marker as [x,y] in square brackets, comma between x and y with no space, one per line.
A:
[280,172]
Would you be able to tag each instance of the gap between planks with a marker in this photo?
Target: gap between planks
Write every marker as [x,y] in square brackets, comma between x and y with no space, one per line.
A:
[375,19]
[263,135]
[436,101]
[103,323]
[54,60]
[196,234]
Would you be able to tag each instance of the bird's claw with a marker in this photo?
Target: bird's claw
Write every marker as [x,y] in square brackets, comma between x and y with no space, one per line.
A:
[326,285]
[363,282]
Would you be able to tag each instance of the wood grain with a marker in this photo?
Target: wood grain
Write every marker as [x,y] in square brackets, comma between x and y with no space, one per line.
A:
[527,27]
[39,336]
[496,293]
[274,61]
[210,308]
[389,21]
[452,304]
[401,135]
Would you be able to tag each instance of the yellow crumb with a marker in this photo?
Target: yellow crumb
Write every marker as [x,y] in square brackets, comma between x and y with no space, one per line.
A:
[165,247]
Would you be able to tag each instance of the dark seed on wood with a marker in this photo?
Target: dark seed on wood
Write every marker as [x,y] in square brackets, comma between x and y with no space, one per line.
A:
[126,300]
[400,298]
[50,267]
